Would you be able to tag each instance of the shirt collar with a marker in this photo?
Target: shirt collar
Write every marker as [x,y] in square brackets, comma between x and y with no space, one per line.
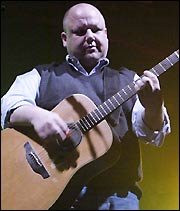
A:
[73,61]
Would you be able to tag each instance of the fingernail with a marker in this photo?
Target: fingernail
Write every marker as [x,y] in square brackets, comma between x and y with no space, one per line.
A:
[68,133]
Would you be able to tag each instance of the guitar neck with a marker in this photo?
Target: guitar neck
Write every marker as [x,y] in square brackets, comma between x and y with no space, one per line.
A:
[111,104]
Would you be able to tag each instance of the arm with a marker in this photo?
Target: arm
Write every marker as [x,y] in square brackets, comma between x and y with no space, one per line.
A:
[46,123]
[23,91]
[151,98]
[149,117]
[20,103]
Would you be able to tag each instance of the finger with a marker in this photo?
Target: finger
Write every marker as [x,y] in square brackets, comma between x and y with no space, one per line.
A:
[148,84]
[62,125]
[62,135]
[149,74]
[68,133]
[152,77]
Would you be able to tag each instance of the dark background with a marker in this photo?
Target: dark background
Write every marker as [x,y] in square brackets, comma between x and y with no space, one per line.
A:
[141,34]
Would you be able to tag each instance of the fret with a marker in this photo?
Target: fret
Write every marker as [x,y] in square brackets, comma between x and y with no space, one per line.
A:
[134,90]
[154,71]
[166,63]
[169,61]
[120,96]
[83,124]
[115,100]
[102,116]
[130,88]
[83,129]
[87,121]
[93,120]
[96,115]
[124,92]
[109,100]
[158,70]
[162,67]
[107,106]
[177,54]
[103,110]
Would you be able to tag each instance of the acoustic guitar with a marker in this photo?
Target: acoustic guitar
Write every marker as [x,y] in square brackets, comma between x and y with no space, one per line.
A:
[34,176]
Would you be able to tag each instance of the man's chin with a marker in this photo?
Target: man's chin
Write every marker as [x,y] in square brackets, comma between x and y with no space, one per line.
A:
[92,57]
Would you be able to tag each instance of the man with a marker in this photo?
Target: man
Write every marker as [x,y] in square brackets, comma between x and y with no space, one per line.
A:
[32,97]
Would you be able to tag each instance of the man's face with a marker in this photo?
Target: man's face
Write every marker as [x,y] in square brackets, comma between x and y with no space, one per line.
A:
[86,35]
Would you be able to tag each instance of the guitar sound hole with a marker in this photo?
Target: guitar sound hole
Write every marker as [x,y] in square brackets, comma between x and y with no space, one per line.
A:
[60,152]
[73,140]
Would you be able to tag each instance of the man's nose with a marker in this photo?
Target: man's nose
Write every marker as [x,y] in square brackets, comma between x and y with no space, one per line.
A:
[89,36]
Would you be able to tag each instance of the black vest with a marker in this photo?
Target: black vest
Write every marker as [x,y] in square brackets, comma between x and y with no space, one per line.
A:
[58,81]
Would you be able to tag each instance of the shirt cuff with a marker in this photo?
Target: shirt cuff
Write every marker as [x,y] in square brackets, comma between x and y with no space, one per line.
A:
[5,119]
[149,136]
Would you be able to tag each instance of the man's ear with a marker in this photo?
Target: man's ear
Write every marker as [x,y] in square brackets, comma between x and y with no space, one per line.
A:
[64,38]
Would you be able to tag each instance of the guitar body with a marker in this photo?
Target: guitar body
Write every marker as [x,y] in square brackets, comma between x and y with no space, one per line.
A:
[24,189]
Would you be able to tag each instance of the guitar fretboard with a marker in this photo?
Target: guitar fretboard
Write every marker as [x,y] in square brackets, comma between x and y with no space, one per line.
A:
[111,104]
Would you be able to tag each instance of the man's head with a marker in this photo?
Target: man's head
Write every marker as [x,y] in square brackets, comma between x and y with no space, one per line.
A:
[85,34]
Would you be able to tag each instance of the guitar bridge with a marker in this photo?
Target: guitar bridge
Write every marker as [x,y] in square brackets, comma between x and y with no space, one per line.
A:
[34,161]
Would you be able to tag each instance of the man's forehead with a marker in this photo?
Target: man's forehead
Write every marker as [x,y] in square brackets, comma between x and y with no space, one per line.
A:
[83,14]
[83,17]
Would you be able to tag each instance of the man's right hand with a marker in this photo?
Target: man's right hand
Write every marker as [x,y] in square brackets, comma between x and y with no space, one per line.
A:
[47,124]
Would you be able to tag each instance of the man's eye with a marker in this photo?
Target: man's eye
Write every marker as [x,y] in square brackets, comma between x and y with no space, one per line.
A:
[80,32]
[95,30]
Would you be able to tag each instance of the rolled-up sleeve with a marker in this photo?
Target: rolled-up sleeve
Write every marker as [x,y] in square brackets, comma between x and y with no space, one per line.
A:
[23,91]
[143,132]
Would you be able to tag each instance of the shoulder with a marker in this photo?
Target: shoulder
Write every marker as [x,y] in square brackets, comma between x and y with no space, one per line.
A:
[125,71]
[122,71]
[50,67]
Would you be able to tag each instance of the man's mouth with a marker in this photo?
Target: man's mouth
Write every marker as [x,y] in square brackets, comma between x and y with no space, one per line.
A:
[91,48]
